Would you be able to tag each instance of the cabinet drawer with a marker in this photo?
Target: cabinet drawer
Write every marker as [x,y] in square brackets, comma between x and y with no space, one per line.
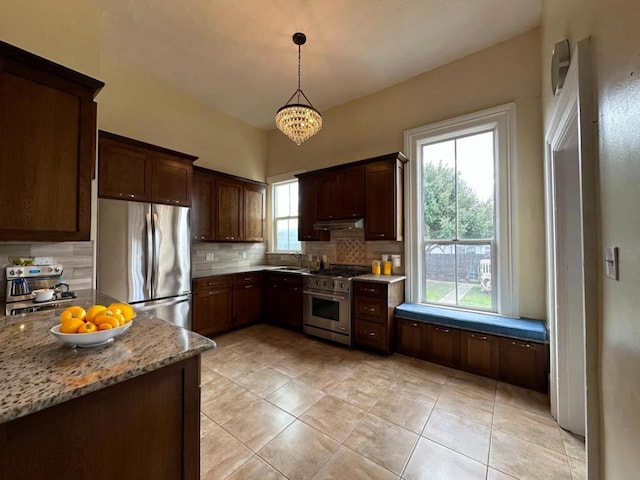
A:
[372,309]
[370,289]
[371,334]
[208,283]
[247,278]
[286,279]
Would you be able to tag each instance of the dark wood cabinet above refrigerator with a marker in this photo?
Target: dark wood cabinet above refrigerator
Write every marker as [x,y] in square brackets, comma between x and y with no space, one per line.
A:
[138,171]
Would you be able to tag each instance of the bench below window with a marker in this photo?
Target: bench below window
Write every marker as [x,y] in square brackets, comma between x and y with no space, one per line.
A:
[513,350]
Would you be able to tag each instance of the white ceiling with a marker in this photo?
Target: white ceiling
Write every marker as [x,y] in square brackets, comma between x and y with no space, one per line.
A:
[238,55]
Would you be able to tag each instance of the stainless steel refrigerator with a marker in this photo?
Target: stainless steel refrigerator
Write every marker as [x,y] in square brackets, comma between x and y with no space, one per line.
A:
[144,257]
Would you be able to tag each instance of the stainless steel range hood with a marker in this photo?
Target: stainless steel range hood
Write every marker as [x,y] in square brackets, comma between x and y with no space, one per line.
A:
[339,224]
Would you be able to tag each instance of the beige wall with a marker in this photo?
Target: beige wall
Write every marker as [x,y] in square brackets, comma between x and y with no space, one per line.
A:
[131,103]
[613,27]
[374,125]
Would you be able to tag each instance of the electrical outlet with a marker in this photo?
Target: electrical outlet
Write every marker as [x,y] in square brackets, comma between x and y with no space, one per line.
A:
[611,262]
[209,256]
[244,254]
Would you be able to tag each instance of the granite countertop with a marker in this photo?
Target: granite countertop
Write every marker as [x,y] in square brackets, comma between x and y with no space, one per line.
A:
[370,277]
[232,270]
[38,371]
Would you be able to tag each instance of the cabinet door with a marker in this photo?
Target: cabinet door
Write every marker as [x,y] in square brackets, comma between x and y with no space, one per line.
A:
[351,191]
[272,300]
[229,226]
[171,181]
[444,345]
[254,213]
[247,304]
[291,306]
[383,219]
[212,311]
[203,211]
[47,153]
[328,197]
[412,338]
[479,353]
[308,210]
[124,172]
[524,363]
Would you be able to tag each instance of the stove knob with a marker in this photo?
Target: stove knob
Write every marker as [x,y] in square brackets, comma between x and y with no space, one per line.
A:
[57,269]
[50,269]
[19,272]
[11,272]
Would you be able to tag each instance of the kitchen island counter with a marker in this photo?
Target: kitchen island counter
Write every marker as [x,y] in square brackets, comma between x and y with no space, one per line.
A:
[38,371]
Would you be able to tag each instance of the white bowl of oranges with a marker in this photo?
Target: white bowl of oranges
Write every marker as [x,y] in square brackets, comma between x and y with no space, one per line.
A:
[95,326]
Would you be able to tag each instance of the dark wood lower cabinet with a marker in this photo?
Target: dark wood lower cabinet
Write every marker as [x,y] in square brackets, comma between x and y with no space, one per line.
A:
[443,345]
[509,360]
[479,353]
[524,363]
[212,304]
[283,300]
[145,427]
[247,299]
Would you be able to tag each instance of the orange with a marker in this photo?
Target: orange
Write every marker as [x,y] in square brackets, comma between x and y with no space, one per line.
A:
[93,312]
[88,328]
[105,326]
[71,325]
[73,312]
[126,310]
[109,317]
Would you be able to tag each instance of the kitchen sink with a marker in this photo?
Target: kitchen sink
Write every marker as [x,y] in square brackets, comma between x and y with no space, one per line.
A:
[291,269]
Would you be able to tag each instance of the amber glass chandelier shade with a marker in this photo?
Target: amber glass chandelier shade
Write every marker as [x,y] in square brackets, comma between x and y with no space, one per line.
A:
[298,121]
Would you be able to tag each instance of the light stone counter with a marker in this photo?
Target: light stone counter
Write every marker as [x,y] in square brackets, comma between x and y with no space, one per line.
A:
[370,277]
[252,268]
[38,371]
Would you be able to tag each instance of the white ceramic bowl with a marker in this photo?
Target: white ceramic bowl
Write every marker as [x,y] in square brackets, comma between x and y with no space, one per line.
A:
[94,339]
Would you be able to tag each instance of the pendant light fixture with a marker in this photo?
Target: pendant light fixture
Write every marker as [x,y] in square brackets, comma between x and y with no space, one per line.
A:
[298,121]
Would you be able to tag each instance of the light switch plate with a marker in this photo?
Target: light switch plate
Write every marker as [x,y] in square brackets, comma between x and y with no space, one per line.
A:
[209,256]
[611,262]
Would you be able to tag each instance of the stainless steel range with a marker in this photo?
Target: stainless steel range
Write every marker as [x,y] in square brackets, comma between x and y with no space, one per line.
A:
[23,281]
[327,303]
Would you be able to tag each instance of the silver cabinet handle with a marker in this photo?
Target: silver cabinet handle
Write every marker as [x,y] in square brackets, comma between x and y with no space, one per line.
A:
[371,334]
[128,195]
[413,324]
[372,290]
[479,337]
[443,330]
[378,235]
[523,345]
[341,329]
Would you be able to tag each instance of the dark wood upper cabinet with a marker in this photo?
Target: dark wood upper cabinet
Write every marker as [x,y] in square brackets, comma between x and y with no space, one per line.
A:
[229,226]
[203,211]
[308,210]
[227,208]
[253,212]
[138,171]
[341,194]
[384,181]
[372,189]
[47,141]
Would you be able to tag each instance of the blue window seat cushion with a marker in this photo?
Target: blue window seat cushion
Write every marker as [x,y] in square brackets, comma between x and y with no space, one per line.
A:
[521,328]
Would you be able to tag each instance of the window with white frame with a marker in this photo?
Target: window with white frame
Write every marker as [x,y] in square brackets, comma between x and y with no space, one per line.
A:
[285,216]
[459,247]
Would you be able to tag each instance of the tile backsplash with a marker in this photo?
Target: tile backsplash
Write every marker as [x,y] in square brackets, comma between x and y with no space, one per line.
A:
[225,255]
[75,257]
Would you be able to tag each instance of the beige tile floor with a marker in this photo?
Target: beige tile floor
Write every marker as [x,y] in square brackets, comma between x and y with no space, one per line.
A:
[280,405]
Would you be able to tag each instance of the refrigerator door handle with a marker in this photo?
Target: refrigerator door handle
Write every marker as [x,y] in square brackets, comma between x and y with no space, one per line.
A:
[157,238]
[149,255]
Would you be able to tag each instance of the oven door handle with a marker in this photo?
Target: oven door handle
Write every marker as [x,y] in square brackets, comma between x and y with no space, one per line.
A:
[328,296]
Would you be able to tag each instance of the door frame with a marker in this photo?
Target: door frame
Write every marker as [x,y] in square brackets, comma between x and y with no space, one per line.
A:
[575,111]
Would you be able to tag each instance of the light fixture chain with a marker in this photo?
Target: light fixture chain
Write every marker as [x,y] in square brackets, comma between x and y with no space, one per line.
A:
[298,73]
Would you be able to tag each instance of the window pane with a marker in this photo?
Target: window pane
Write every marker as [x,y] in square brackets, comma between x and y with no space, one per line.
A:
[475,165]
[282,200]
[439,190]
[287,234]
[474,274]
[440,278]
[293,199]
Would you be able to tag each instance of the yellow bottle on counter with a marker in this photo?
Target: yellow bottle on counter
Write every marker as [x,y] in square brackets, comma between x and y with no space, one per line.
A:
[386,267]
[375,267]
